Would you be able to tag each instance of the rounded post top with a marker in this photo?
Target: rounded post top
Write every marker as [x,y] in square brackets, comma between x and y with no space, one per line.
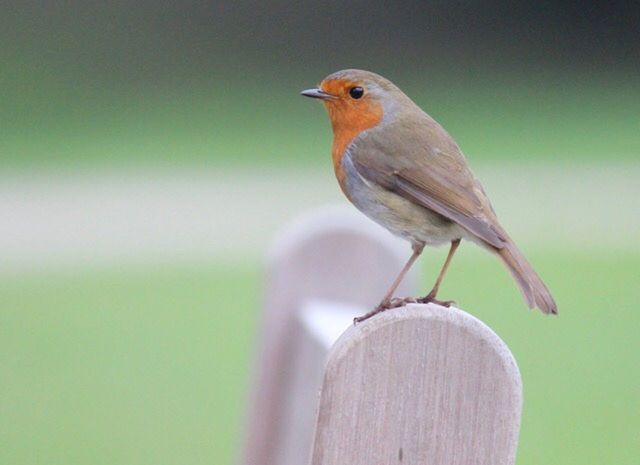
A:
[421,384]
[419,315]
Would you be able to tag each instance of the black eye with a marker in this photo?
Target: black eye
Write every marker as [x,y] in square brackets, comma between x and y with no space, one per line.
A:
[356,92]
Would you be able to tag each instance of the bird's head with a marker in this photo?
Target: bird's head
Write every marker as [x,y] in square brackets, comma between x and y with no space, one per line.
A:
[357,100]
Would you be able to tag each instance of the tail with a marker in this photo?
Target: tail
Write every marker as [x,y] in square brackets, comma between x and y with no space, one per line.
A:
[533,289]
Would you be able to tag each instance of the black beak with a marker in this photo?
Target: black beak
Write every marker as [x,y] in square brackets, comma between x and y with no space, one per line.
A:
[316,93]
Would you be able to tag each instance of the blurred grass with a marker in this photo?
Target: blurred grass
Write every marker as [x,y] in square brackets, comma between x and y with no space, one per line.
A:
[132,367]
[498,117]
[150,367]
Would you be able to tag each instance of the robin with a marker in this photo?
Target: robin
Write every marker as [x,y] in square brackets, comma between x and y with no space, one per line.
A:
[399,167]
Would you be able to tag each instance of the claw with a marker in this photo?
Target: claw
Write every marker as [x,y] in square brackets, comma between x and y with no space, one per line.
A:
[431,299]
[386,305]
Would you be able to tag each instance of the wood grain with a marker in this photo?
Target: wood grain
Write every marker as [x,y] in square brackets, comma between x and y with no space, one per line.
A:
[419,385]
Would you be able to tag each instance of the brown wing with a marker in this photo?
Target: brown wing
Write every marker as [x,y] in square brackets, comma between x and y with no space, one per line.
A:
[418,160]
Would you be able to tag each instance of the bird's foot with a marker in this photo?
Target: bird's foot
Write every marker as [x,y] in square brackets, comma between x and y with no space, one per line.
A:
[430,298]
[385,305]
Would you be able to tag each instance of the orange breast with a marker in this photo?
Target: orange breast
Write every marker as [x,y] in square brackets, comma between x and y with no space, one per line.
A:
[348,118]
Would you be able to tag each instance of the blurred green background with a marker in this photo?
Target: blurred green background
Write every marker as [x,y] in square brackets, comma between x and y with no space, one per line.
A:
[149,152]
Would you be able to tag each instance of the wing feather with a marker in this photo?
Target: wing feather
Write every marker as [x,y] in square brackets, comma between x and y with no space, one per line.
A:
[422,163]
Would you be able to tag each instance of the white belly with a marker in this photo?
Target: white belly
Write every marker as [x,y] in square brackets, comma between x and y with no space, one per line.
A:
[399,215]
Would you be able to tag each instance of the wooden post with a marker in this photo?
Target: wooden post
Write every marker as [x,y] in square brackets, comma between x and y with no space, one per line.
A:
[332,254]
[419,385]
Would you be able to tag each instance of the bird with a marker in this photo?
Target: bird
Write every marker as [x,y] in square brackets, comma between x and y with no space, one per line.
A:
[404,171]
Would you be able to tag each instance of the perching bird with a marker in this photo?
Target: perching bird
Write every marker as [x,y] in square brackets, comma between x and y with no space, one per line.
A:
[399,167]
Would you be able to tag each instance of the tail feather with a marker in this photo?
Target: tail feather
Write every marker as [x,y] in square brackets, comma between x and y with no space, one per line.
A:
[533,289]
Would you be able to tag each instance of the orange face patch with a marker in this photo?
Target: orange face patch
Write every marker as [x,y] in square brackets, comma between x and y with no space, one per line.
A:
[349,117]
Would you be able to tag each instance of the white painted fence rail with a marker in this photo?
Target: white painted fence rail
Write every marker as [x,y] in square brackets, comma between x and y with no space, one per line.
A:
[416,385]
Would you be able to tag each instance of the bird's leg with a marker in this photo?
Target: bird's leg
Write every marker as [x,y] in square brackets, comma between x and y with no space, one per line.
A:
[387,301]
[431,296]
